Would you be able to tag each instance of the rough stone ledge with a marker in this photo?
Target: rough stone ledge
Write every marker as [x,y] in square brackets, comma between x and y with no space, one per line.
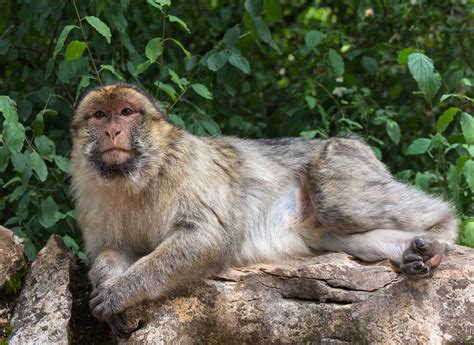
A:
[327,299]
[11,255]
[44,308]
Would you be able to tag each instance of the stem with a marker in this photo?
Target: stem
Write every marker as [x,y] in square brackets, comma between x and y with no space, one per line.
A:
[163,51]
[85,41]
[339,106]
[178,98]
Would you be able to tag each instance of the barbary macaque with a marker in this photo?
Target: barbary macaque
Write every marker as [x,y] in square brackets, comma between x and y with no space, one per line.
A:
[159,206]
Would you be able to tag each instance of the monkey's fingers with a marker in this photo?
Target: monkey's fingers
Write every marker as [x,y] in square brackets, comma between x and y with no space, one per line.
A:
[118,325]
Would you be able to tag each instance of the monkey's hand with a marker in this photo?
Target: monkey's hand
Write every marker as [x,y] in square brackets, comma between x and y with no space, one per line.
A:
[106,300]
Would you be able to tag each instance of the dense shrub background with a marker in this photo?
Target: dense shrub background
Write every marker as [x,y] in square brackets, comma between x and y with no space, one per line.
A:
[399,73]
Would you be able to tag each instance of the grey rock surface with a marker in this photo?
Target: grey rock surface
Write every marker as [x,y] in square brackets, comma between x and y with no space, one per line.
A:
[327,299]
[11,255]
[44,308]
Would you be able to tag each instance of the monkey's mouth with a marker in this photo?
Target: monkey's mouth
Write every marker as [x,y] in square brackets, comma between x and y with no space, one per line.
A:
[116,156]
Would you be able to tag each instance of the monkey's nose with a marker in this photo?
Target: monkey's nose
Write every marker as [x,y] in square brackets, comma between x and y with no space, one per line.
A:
[112,133]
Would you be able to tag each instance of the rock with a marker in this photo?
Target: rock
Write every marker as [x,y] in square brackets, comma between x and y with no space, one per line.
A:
[327,299]
[11,255]
[44,308]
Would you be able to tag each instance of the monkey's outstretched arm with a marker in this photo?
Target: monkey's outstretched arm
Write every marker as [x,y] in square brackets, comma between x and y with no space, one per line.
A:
[108,264]
[186,253]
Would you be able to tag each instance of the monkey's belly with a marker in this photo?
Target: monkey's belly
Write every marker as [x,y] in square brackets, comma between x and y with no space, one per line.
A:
[284,230]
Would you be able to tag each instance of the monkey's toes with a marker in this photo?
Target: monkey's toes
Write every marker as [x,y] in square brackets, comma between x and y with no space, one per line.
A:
[414,268]
[421,256]
[118,325]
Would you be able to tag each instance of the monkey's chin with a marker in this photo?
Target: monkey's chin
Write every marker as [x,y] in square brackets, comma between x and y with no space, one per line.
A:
[116,157]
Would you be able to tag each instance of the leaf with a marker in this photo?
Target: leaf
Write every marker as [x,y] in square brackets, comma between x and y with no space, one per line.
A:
[179,44]
[8,109]
[402,55]
[336,62]
[4,158]
[48,215]
[112,70]
[419,146]
[467,237]
[253,7]
[446,96]
[309,134]
[141,68]
[30,249]
[469,173]
[62,163]
[264,33]
[166,88]
[273,9]
[231,38]
[154,49]
[20,161]
[202,91]
[467,125]
[370,64]
[216,61]
[240,62]
[177,120]
[311,101]
[159,3]
[99,26]
[14,136]
[74,50]
[38,165]
[175,19]
[445,119]
[71,243]
[420,66]
[45,145]
[430,86]
[313,38]
[393,131]
[62,38]
[211,127]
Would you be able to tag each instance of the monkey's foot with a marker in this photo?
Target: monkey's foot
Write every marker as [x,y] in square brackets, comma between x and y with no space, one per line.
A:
[421,257]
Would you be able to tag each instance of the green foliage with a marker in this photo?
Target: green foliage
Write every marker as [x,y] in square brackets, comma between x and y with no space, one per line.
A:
[398,73]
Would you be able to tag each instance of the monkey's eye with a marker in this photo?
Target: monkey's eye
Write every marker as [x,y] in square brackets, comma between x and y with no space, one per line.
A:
[126,111]
[99,114]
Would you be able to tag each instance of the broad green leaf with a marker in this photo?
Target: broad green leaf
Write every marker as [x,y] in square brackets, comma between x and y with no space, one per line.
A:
[264,33]
[5,155]
[159,3]
[179,44]
[216,61]
[48,215]
[402,56]
[175,19]
[336,62]
[467,237]
[311,101]
[74,50]
[370,64]
[30,249]
[181,82]
[211,127]
[240,62]
[393,131]
[71,243]
[141,68]
[254,7]
[420,66]
[272,9]
[62,38]
[112,70]
[62,163]
[446,96]
[313,38]
[14,136]
[445,119]
[20,161]
[45,146]
[177,120]
[467,125]
[469,173]
[430,86]
[202,90]
[309,134]
[154,49]
[231,38]
[38,165]
[419,146]
[8,109]
[167,88]
[99,26]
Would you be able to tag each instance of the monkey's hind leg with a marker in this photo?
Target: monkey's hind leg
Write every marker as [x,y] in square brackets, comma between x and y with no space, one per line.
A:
[370,215]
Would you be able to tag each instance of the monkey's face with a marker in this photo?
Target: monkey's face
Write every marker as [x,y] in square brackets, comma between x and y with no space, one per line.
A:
[109,129]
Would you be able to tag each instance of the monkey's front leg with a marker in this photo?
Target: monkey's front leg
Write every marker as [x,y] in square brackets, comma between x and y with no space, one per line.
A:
[185,254]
